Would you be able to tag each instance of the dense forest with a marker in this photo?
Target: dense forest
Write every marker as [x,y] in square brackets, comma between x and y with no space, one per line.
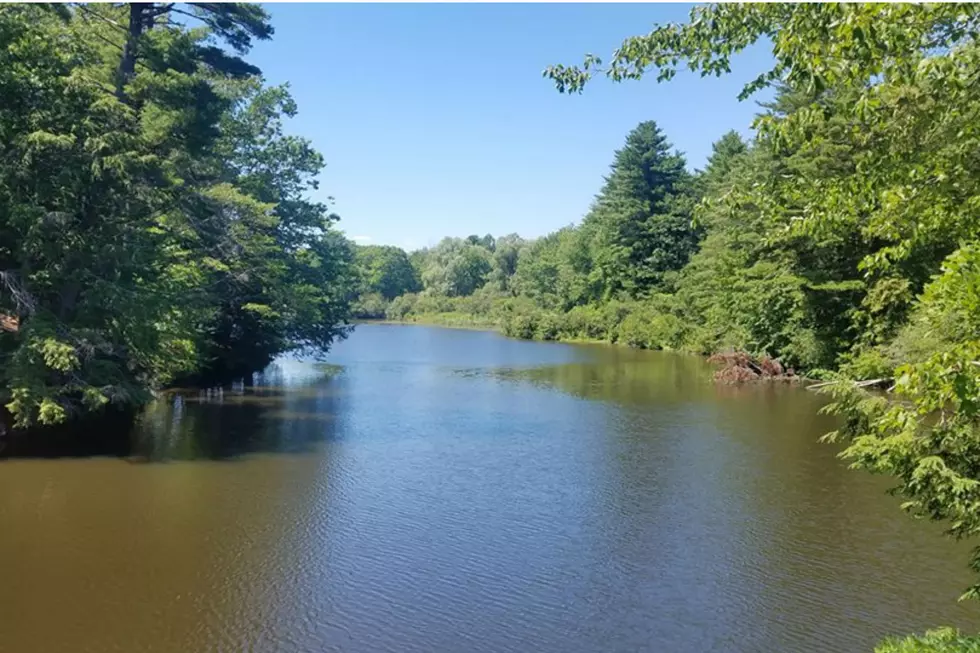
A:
[843,239]
[155,220]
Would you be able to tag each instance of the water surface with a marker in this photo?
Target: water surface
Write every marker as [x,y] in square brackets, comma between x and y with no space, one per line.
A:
[438,490]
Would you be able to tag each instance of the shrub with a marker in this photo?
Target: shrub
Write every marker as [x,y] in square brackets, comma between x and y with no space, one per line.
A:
[549,326]
[585,322]
[613,315]
[371,306]
[646,328]
[667,331]
[635,331]
[941,640]
[401,308]
[520,325]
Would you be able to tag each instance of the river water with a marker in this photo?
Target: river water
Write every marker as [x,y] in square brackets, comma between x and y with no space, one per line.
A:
[436,490]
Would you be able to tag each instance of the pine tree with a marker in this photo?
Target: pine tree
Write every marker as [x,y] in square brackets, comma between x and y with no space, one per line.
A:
[641,219]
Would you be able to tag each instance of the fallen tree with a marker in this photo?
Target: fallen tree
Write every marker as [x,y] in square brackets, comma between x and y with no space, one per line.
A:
[740,367]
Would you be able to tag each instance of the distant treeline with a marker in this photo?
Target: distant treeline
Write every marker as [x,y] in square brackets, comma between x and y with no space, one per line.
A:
[668,259]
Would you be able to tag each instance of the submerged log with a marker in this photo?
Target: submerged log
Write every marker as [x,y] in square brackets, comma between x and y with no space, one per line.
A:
[867,383]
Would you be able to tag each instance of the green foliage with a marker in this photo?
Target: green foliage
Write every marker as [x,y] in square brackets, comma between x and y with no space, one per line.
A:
[814,46]
[948,311]
[371,306]
[940,640]
[641,221]
[650,330]
[727,153]
[556,270]
[928,439]
[401,308]
[386,271]
[521,325]
[153,220]
[506,253]
[456,267]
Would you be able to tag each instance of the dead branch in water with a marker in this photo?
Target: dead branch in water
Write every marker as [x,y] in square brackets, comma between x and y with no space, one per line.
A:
[868,383]
[739,367]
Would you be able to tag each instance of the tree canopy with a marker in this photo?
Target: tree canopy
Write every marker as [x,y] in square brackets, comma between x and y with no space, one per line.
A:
[154,220]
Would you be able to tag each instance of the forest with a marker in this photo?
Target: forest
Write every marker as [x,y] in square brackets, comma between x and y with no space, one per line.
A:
[156,226]
[155,221]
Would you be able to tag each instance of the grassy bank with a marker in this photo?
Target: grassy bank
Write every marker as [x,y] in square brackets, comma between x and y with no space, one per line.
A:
[631,324]
[452,320]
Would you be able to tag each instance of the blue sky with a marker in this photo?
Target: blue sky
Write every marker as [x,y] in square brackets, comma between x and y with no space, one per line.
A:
[435,120]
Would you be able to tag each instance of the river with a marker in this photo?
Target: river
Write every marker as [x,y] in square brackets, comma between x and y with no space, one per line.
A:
[435,490]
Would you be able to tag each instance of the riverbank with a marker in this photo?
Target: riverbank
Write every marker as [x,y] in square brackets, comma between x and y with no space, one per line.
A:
[466,322]
[448,320]
[733,367]
[635,324]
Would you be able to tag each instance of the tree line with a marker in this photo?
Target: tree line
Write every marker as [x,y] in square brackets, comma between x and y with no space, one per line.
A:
[155,220]
[842,239]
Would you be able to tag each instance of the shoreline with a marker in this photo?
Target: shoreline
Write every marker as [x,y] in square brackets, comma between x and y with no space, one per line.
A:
[493,328]
[797,378]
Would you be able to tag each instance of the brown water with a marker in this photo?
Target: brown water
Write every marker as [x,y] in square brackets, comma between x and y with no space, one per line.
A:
[455,491]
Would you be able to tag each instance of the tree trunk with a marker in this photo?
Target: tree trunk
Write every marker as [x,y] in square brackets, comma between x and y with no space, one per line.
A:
[127,65]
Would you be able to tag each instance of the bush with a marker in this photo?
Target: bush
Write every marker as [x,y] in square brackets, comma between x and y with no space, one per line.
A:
[371,306]
[520,325]
[948,312]
[612,316]
[669,331]
[868,363]
[635,331]
[585,322]
[941,640]
[401,308]
[647,328]
[549,327]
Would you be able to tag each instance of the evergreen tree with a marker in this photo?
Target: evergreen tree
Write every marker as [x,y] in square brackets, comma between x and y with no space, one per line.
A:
[641,219]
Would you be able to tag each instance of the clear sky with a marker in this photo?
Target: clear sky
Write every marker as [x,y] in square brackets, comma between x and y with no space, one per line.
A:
[435,120]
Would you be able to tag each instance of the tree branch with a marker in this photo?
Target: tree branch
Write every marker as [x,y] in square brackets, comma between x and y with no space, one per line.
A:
[89,12]
[159,11]
[857,384]
[185,13]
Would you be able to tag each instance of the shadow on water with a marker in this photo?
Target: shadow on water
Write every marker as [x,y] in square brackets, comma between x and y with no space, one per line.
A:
[287,408]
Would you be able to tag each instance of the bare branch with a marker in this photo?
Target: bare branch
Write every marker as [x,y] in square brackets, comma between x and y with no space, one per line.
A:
[185,13]
[89,12]
[857,384]
[159,11]
[23,300]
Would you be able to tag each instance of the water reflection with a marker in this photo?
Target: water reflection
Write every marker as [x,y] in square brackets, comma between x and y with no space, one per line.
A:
[289,408]
[621,376]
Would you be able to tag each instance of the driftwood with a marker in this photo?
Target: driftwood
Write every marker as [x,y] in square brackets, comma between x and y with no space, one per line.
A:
[857,384]
[737,367]
[868,383]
